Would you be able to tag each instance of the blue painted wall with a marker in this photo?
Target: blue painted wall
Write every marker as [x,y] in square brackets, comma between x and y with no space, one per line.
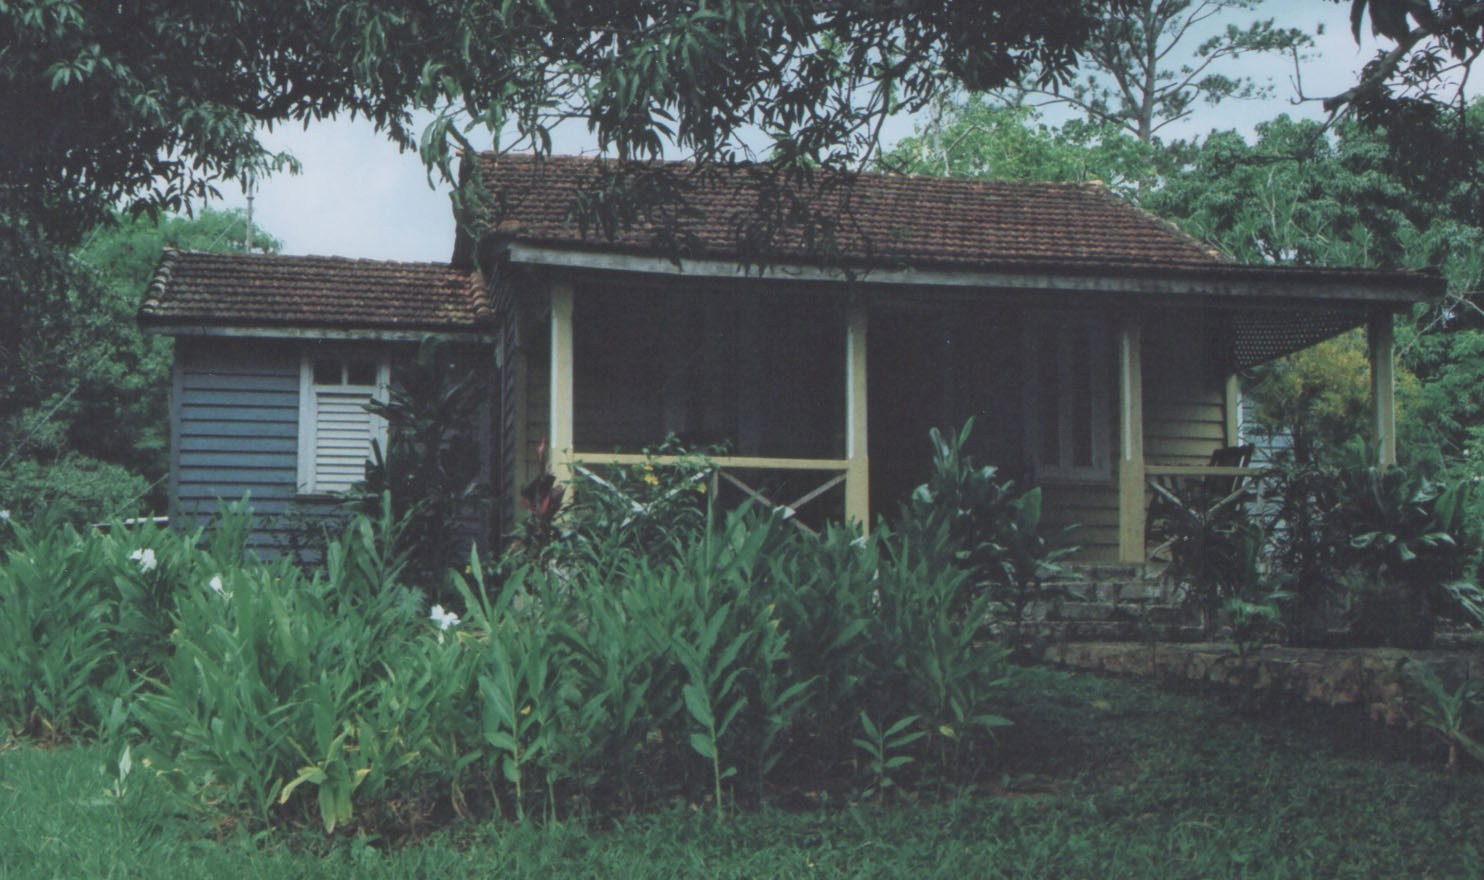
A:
[235,432]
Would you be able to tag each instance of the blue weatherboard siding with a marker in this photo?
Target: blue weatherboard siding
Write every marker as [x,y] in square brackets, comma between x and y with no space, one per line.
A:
[237,412]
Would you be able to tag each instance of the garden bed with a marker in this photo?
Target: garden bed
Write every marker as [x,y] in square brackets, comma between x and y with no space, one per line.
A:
[1374,679]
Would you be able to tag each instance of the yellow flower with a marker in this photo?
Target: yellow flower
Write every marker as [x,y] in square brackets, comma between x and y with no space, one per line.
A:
[651,478]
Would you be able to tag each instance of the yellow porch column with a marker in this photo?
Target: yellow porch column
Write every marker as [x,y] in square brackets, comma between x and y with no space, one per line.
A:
[858,471]
[1233,410]
[1130,441]
[1382,339]
[561,382]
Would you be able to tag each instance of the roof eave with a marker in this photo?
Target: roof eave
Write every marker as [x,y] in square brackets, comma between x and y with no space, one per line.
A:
[177,327]
[1269,283]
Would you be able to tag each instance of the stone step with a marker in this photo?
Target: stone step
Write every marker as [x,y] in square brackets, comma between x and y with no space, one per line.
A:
[1062,631]
[1134,590]
[1150,612]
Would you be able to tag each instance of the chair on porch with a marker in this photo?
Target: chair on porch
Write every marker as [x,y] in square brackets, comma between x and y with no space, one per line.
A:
[1172,491]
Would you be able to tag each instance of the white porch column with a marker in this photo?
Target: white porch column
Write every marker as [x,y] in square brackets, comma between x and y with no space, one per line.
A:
[560,449]
[1130,441]
[1382,339]
[858,471]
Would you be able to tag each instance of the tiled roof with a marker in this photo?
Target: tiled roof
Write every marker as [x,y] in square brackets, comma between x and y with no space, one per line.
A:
[270,290]
[883,219]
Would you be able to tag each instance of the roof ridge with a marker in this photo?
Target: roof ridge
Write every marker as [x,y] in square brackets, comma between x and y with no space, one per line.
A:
[154,292]
[325,257]
[492,157]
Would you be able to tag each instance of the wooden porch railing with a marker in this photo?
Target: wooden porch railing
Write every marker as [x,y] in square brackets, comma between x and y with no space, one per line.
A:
[722,471]
[1226,484]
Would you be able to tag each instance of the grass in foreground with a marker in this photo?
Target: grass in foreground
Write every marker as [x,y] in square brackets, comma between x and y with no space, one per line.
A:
[1100,779]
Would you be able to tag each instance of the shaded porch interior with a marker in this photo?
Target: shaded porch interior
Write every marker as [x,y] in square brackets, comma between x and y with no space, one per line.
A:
[823,401]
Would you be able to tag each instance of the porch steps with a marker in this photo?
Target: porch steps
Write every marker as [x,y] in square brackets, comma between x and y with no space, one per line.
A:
[1110,603]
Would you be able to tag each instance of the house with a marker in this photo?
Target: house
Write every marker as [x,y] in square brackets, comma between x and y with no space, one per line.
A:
[816,328]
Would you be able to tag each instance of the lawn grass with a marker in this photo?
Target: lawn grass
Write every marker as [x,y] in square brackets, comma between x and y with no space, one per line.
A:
[1100,778]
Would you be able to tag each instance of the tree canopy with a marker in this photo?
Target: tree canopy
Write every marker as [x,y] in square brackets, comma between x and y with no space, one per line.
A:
[155,102]
[1149,66]
[1422,66]
[83,391]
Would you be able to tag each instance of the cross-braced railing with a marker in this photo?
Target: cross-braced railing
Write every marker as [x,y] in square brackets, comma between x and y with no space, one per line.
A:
[724,471]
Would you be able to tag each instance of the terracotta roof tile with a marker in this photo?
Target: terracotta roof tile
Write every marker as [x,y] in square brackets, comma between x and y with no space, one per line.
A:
[882,219]
[192,287]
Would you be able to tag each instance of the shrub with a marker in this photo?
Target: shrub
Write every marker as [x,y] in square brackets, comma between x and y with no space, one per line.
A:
[73,489]
[706,657]
[1391,547]
[431,469]
[995,534]
[83,615]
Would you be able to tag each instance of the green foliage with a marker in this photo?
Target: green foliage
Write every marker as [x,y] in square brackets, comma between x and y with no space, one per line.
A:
[271,680]
[1320,397]
[87,615]
[1407,83]
[1255,623]
[883,750]
[1409,539]
[981,139]
[84,393]
[646,508]
[153,105]
[1452,715]
[994,534]
[605,681]
[1103,779]
[1390,547]
[72,489]
[434,463]
[1215,547]
[712,666]
[57,610]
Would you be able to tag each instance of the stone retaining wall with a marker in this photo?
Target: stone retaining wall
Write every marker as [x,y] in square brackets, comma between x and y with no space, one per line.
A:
[1372,678]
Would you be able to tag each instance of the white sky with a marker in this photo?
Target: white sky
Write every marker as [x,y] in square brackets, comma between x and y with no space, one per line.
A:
[359,197]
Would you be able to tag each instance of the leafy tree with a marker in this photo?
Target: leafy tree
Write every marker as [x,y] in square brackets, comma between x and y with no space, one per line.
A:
[84,393]
[156,102]
[1422,73]
[1136,79]
[1297,195]
[1307,194]
[979,138]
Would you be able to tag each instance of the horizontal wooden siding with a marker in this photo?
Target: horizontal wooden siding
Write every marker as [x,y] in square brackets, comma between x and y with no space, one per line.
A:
[237,414]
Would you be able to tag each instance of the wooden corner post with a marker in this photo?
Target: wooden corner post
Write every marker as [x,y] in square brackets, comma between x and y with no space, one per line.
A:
[1232,410]
[1130,441]
[561,382]
[858,470]
[1382,339]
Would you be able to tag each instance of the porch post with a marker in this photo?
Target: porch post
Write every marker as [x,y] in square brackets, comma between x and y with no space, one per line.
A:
[1130,441]
[1382,339]
[560,449]
[1233,410]
[858,471]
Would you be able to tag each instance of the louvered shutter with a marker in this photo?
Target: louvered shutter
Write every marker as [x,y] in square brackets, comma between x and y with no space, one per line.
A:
[343,431]
[335,430]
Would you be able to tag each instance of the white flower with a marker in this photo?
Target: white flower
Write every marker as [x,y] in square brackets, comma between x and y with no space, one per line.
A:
[4,515]
[444,619]
[145,557]
[216,585]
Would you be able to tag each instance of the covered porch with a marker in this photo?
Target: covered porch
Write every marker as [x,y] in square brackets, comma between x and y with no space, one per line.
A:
[823,393]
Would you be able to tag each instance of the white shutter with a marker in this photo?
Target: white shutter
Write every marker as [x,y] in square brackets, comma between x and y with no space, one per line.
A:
[342,436]
[335,430]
